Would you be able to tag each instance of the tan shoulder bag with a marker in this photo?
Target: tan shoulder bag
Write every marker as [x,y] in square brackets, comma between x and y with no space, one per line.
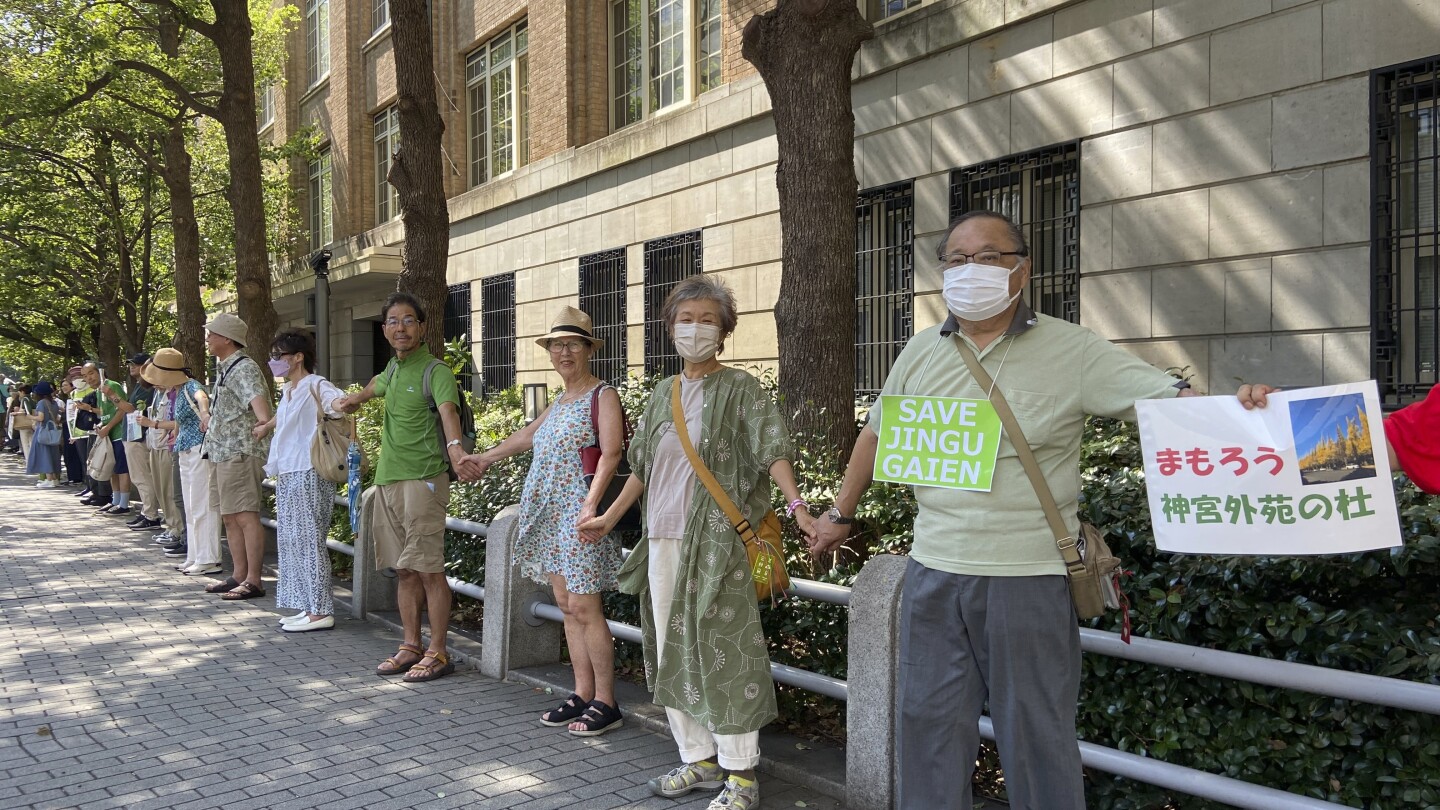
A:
[1093,571]
[762,545]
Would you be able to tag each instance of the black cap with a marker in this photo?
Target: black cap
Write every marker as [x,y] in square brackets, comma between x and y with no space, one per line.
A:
[140,359]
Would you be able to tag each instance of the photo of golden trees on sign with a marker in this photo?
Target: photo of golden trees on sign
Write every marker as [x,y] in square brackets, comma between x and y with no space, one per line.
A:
[1332,439]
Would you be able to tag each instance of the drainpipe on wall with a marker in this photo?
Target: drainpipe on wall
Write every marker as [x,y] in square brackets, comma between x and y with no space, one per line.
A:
[320,263]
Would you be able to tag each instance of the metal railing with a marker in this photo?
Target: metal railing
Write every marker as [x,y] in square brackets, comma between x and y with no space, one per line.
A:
[1372,689]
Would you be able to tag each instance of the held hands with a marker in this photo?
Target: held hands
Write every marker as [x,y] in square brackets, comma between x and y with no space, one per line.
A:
[204,423]
[808,525]
[350,403]
[261,429]
[594,528]
[1255,395]
[826,536]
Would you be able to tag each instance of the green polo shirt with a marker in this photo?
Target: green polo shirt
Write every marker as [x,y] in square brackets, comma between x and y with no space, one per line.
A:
[1053,374]
[108,409]
[409,444]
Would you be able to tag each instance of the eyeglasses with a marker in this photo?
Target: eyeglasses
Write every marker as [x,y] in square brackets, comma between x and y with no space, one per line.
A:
[407,322]
[567,346]
[993,258]
[280,355]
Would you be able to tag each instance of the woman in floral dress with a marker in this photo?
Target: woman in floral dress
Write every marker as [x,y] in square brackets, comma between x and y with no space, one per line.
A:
[556,500]
[705,651]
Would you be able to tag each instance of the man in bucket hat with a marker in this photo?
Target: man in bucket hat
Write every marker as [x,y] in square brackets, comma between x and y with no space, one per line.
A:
[240,401]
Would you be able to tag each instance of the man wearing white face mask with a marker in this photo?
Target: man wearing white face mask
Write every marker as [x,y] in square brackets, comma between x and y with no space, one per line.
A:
[986,612]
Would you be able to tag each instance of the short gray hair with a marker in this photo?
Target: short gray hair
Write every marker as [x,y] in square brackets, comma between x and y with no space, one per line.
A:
[702,288]
[1015,233]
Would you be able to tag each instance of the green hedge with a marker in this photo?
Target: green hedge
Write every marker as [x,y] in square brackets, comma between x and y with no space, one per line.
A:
[1373,613]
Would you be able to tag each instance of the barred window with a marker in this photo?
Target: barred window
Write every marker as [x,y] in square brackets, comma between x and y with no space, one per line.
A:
[317,40]
[456,324]
[387,139]
[668,261]
[1405,129]
[322,212]
[1040,191]
[884,282]
[602,297]
[497,333]
[497,82]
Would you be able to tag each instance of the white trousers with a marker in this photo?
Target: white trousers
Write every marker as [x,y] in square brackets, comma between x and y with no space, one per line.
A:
[737,752]
[202,521]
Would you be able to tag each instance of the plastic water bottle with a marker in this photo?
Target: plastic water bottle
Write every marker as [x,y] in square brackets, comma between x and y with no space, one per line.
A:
[352,461]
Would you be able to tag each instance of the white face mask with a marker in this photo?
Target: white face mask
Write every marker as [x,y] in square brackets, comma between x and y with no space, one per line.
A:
[975,292]
[696,342]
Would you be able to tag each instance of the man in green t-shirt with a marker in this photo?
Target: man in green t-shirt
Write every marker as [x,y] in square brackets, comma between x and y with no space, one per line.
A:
[412,486]
[111,407]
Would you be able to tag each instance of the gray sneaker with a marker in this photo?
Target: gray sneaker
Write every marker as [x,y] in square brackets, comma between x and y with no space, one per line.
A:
[688,777]
[736,797]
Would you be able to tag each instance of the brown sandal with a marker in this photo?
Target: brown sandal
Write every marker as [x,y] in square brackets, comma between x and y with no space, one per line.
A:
[243,591]
[430,672]
[393,666]
[229,584]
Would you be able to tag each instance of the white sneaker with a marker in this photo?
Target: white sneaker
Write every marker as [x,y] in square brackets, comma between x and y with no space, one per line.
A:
[197,568]
[298,617]
[323,623]
[46,484]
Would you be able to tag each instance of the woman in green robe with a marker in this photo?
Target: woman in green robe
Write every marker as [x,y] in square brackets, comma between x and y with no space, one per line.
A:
[705,654]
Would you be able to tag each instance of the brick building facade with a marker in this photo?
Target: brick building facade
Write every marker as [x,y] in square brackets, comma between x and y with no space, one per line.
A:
[1244,188]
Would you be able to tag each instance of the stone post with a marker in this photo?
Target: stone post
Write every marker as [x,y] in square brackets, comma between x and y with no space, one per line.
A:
[371,591]
[513,637]
[874,662]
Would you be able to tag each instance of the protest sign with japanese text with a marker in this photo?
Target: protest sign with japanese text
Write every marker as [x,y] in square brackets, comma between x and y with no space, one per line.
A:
[1306,475]
[937,442]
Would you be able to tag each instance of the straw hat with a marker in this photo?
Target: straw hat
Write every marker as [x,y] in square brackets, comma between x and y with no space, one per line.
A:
[571,322]
[229,325]
[166,368]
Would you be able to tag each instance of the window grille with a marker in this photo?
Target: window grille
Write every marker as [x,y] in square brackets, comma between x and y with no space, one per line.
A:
[456,324]
[387,139]
[379,14]
[497,79]
[884,282]
[602,297]
[668,261]
[1405,231]
[1040,191]
[497,333]
[317,40]
[322,215]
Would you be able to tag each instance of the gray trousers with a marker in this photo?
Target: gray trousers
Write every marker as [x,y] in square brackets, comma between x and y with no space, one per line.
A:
[1013,640]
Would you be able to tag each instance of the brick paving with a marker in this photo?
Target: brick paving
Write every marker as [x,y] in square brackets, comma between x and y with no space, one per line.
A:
[123,684]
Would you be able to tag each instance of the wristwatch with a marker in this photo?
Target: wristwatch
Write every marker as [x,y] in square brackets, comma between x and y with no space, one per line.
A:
[837,518]
[452,443]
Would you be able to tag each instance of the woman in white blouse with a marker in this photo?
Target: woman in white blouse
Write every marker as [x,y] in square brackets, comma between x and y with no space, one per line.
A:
[304,502]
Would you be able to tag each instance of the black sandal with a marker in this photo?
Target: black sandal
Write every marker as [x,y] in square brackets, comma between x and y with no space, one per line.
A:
[598,719]
[562,715]
[222,587]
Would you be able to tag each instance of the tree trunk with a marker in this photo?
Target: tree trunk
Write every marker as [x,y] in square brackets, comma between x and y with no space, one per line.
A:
[245,194]
[189,308]
[804,50]
[417,171]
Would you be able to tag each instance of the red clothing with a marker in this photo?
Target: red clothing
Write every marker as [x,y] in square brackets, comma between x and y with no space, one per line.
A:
[1414,432]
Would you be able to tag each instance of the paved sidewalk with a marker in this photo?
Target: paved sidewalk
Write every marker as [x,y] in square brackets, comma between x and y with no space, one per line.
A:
[122,684]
